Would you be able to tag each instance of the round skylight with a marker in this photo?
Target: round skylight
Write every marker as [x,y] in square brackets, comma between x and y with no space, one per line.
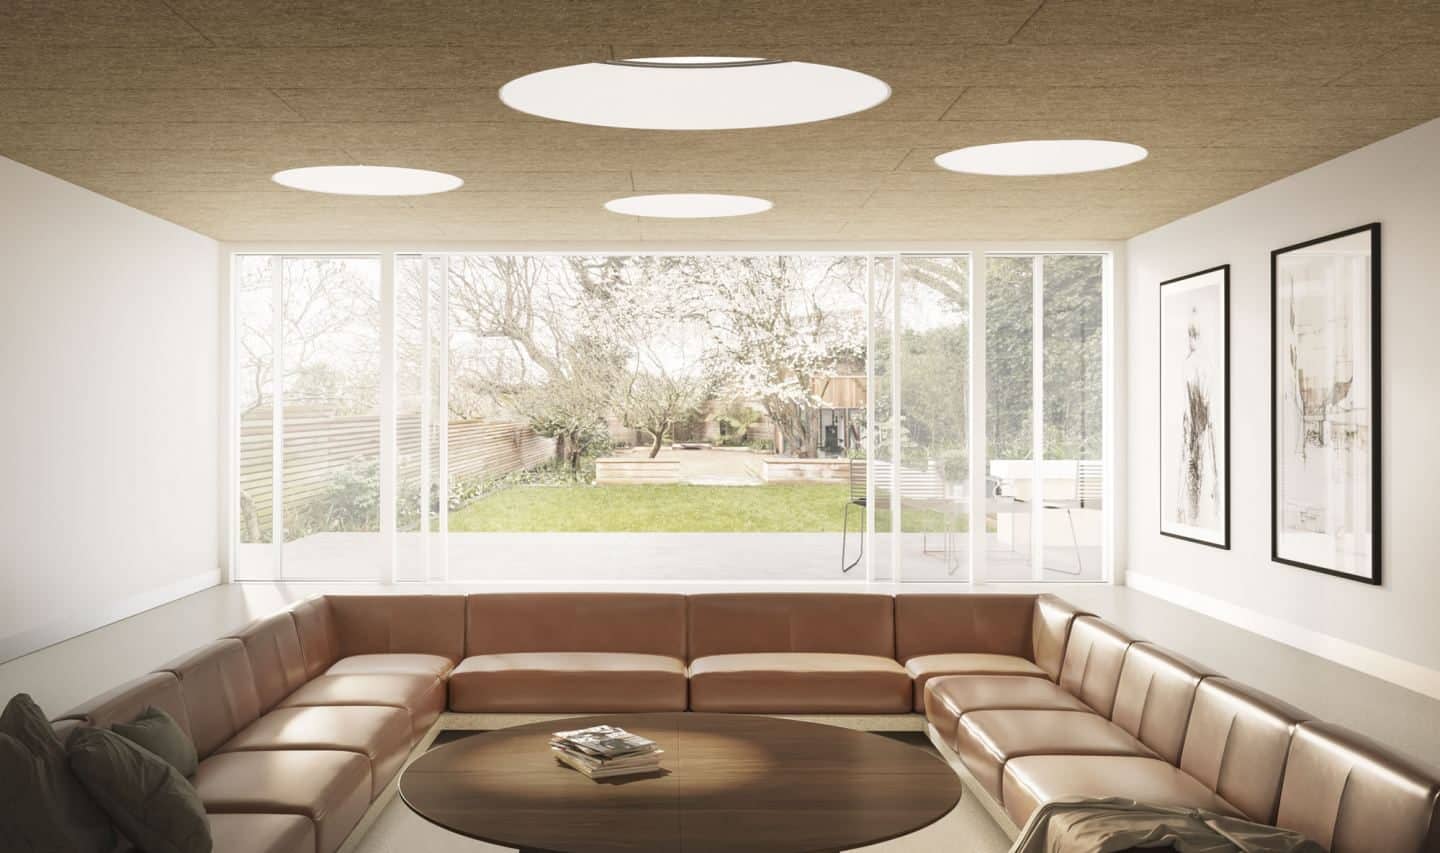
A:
[694,93]
[1042,157]
[366,180]
[688,205]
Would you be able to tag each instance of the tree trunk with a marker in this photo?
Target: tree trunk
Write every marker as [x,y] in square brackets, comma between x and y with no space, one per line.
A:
[659,438]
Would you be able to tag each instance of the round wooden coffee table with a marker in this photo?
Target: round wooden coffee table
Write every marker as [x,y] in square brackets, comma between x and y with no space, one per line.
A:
[729,783]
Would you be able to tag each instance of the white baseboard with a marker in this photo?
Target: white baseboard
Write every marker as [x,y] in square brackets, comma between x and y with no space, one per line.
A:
[37,638]
[1405,673]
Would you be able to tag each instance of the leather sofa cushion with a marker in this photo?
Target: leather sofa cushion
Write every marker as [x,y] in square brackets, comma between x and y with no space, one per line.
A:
[315,626]
[926,667]
[273,646]
[386,624]
[1154,697]
[799,683]
[1094,656]
[436,666]
[631,623]
[1237,742]
[382,735]
[332,789]
[422,696]
[743,623]
[950,697]
[944,623]
[124,703]
[262,833]
[1049,631]
[987,740]
[566,682]
[1036,779]
[1352,794]
[219,690]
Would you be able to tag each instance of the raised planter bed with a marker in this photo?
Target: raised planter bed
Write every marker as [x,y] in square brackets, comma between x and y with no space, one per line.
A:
[631,470]
[780,469]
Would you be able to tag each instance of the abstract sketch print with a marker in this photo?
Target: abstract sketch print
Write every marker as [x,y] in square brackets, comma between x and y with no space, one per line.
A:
[1324,500]
[1199,499]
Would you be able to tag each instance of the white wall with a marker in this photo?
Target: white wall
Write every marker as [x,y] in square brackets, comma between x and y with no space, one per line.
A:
[1391,630]
[109,370]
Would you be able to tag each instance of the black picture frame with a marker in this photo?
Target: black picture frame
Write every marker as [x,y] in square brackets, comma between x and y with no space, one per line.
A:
[1224,460]
[1376,526]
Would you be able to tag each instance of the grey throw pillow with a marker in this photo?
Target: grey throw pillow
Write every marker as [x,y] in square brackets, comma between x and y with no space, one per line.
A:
[157,732]
[155,807]
[62,816]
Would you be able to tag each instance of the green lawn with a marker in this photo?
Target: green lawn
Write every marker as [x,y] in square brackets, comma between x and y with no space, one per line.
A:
[799,508]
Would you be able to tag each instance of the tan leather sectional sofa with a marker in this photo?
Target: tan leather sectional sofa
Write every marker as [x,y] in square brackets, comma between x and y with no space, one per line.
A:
[302,719]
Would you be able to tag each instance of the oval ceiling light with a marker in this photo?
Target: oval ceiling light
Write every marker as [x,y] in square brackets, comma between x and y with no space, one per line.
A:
[366,180]
[694,93]
[688,205]
[1042,157]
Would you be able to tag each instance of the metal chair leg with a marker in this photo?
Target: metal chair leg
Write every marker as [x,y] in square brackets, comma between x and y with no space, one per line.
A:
[844,535]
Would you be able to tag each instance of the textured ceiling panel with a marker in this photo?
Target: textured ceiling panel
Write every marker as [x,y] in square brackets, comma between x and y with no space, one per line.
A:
[184,108]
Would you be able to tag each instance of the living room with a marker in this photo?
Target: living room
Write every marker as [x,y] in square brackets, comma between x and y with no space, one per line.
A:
[925,426]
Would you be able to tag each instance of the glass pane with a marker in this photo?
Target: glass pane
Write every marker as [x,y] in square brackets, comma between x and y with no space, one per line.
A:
[255,398]
[331,417]
[933,471]
[1009,420]
[1074,397]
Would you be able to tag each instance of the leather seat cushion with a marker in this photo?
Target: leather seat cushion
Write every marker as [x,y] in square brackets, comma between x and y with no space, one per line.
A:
[562,682]
[949,697]
[262,833]
[422,695]
[926,667]
[393,664]
[381,734]
[332,789]
[799,683]
[1036,779]
[987,740]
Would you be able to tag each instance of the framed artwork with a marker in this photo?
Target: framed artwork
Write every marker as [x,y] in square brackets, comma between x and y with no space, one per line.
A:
[1195,407]
[1325,404]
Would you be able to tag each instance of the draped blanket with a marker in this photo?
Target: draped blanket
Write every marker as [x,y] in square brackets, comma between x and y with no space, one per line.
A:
[1116,824]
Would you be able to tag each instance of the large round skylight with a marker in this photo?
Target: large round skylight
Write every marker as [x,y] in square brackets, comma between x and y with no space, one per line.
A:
[694,93]
[688,205]
[1042,157]
[366,180]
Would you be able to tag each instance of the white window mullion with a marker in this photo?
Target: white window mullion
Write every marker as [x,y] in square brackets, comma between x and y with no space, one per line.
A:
[978,498]
[427,402]
[444,376]
[1037,418]
[869,520]
[277,416]
[897,570]
[388,453]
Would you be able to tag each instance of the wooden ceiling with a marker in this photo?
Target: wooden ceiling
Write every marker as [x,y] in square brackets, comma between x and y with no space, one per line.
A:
[184,108]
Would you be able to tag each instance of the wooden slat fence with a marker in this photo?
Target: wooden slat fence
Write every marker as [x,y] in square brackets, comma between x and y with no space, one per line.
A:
[317,447]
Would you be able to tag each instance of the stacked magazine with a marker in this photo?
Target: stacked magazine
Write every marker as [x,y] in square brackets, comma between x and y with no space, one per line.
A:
[603,752]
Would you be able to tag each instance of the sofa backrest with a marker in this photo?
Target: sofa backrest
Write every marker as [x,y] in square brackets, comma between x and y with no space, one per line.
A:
[843,623]
[124,703]
[273,646]
[386,624]
[638,623]
[1094,656]
[1353,795]
[939,624]
[219,690]
[315,626]
[1237,742]
[1050,631]
[1154,697]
